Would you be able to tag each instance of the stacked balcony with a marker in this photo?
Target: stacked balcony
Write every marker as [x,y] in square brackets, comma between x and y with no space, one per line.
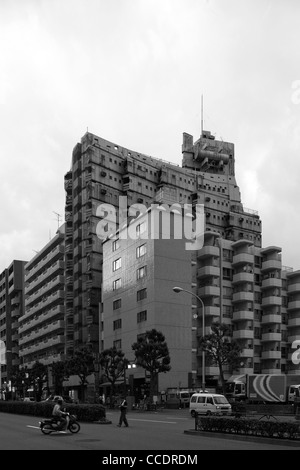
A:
[243,300]
[271,304]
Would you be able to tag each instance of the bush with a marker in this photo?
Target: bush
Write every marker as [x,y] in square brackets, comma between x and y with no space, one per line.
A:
[88,413]
[248,427]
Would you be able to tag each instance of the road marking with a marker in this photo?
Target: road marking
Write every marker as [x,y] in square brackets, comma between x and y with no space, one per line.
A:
[152,421]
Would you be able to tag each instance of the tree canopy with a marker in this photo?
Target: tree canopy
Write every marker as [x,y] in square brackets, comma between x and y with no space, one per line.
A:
[221,349]
[152,353]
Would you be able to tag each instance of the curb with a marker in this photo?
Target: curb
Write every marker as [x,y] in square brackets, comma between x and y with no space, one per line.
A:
[260,440]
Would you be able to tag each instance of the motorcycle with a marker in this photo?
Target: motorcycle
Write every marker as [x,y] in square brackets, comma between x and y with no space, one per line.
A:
[47,426]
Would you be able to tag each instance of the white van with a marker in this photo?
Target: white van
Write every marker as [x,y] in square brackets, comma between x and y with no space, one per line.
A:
[208,404]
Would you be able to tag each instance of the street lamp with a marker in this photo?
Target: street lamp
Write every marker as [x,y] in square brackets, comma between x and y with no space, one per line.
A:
[127,365]
[178,290]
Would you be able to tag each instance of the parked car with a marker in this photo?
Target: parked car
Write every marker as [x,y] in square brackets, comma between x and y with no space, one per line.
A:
[209,404]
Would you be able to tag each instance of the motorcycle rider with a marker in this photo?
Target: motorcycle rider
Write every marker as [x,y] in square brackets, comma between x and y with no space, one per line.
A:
[61,415]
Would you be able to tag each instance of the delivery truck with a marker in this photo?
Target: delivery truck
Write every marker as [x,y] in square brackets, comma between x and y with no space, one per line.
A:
[263,388]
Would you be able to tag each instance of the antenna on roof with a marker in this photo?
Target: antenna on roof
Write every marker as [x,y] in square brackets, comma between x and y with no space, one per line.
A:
[58,218]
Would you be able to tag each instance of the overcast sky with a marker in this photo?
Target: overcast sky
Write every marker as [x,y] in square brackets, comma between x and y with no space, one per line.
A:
[133,72]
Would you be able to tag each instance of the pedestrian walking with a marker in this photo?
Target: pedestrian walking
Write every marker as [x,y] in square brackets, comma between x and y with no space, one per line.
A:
[123,410]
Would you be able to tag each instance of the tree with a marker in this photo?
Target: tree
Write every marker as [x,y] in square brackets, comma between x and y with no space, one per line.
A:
[81,364]
[152,353]
[60,374]
[20,379]
[38,376]
[113,363]
[221,350]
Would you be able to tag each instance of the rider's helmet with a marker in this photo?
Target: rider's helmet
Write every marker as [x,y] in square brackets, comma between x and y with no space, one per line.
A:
[60,401]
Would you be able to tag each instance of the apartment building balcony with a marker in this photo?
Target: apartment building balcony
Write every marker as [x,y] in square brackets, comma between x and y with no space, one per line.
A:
[293,288]
[294,305]
[42,332]
[208,251]
[50,359]
[274,355]
[246,352]
[207,271]
[243,334]
[271,355]
[271,336]
[271,300]
[209,291]
[242,297]
[207,331]
[42,318]
[16,300]
[44,290]
[242,277]
[271,318]
[271,370]
[242,315]
[292,337]
[15,313]
[294,371]
[15,337]
[271,264]
[292,322]
[242,258]
[48,260]
[210,311]
[271,282]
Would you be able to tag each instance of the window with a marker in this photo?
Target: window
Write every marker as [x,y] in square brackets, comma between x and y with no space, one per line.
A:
[227,273]
[117,304]
[141,228]
[141,250]
[141,294]
[142,316]
[117,264]
[117,284]
[141,272]
[117,344]
[115,245]
[117,324]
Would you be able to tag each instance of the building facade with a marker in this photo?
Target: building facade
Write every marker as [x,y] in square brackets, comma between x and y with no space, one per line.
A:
[102,172]
[140,269]
[42,327]
[12,306]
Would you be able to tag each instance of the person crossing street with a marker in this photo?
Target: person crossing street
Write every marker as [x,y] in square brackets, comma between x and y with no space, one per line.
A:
[123,410]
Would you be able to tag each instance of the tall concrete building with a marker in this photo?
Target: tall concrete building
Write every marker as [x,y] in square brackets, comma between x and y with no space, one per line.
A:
[42,326]
[11,309]
[101,172]
[141,266]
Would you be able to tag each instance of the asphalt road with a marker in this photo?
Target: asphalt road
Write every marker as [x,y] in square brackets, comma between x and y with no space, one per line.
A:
[161,431]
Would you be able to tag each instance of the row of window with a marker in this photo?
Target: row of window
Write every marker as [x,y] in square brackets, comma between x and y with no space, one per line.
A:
[140,295]
[140,251]
[141,317]
[140,274]
[140,229]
